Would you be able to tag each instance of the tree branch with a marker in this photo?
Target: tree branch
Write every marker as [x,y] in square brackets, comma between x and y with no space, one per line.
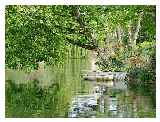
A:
[84,30]
[83,45]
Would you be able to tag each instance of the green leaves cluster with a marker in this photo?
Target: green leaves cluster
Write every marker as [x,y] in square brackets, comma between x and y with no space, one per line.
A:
[43,33]
[36,33]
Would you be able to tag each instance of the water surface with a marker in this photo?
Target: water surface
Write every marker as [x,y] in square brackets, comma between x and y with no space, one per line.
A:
[117,101]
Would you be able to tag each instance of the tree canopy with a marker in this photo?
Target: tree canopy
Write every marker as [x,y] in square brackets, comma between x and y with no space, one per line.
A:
[37,33]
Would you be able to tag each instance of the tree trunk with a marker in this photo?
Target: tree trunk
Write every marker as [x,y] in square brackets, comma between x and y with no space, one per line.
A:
[130,33]
[137,28]
[134,35]
[119,33]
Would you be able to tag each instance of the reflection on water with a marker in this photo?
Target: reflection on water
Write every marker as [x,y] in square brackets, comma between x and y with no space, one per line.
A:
[80,98]
[117,103]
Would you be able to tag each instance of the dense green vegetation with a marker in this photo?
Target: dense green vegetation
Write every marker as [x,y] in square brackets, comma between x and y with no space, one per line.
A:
[122,36]
[130,47]
[43,33]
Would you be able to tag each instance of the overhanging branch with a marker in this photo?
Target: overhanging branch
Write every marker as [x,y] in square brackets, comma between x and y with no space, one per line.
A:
[88,46]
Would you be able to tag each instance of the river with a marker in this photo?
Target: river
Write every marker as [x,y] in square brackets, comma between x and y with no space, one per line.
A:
[116,100]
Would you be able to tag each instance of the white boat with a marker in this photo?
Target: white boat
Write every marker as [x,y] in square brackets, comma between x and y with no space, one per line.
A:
[99,76]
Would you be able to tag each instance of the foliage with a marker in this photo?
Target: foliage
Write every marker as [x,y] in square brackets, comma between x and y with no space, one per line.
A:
[121,51]
[42,33]
[123,36]
[121,54]
[36,33]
